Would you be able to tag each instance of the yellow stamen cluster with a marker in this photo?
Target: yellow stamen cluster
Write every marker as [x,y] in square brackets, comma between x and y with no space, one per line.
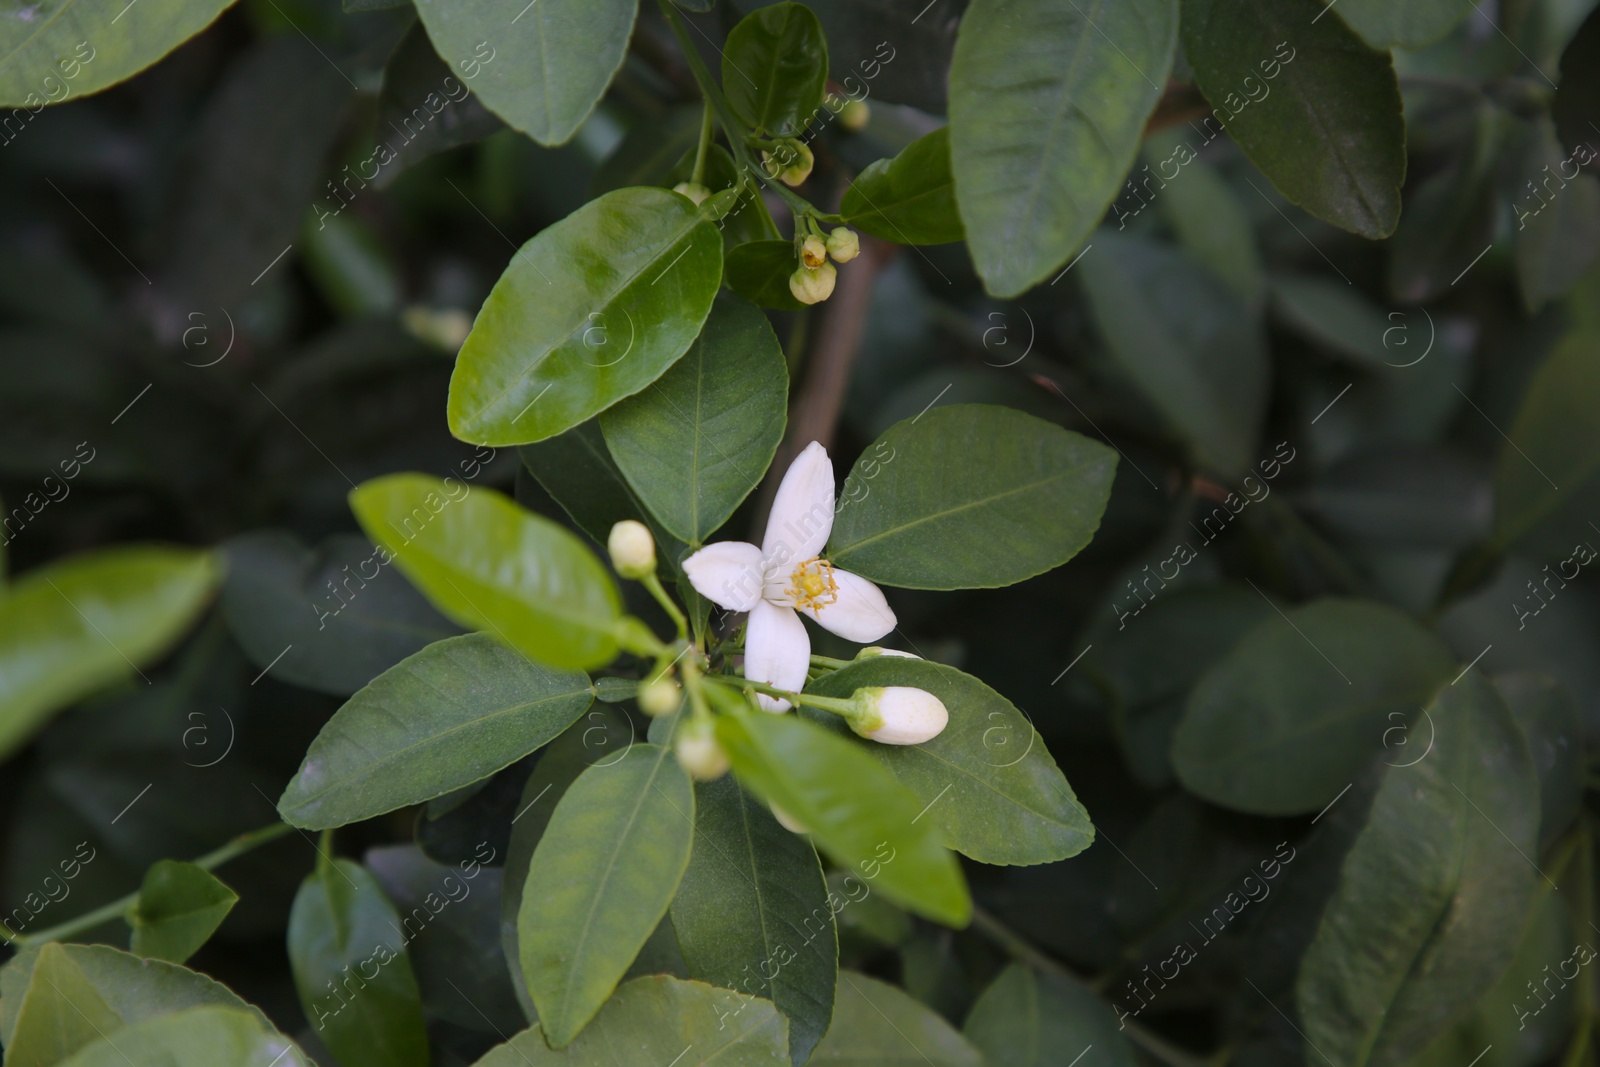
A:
[814,585]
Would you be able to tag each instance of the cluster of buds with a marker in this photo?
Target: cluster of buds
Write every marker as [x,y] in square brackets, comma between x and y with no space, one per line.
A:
[812,281]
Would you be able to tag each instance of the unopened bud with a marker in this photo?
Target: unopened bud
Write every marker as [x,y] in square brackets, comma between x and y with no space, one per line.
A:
[897,715]
[659,696]
[843,245]
[633,550]
[812,286]
[790,162]
[855,115]
[878,650]
[787,821]
[693,190]
[813,252]
[698,752]
[445,329]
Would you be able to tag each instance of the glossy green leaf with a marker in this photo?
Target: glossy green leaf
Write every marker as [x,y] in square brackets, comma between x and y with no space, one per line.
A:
[1047,107]
[65,49]
[697,441]
[774,65]
[602,877]
[180,906]
[1025,1019]
[1187,342]
[759,271]
[970,496]
[543,68]
[1557,214]
[490,565]
[450,715]
[1404,23]
[877,1023]
[351,969]
[910,199]
[196,1037]
[75,626]
[1432,897]
[1314,108]
[589,311]
[63,1013]
[993,790]
[856,812]
[651,1020]
[754,914]
[1288,718]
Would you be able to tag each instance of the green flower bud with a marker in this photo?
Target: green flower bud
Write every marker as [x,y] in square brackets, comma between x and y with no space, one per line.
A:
[843,245]
[698,752]
[633,550]
[897,715]
[813,252]
[693,190]
[855,115]
[878,650]
[659,696]
[812,286]
[790,162]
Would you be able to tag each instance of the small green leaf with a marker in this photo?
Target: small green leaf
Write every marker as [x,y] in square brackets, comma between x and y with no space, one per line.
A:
[1404,23]
[759,271]
[1316,109]
[910,199]
[352,972]
[1028,1020]
[774,66]
[877,1023]
[697,441]
[854,809]
[180,906]
[590,310]
[754,913]
[990,784]
[1288,718]
[450,715]
[543,69]
[1432,897]
[602,877]
[196,1037]
[1048,103]
[970,496]
[75,626]
[490,565]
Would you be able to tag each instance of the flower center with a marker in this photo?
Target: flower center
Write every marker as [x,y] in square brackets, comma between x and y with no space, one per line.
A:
[812,586]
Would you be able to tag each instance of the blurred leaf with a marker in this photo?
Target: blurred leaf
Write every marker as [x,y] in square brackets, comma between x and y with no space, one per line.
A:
[1553,729]
[543,70]
[1406,23]
[77,625]
[1434,893]
[1330,135]
[649,150]
[1338,319]
[759,271]
[910,199]
[489,564]
[448,716]
[754,899]
[1047,107]
[1557,237]
[427,104]
[1450,218]
[341,926]
[1029,1020]
[874,1022]
[591,310]
[1576,108]
[197,1037]
[895,50]
[353,270]
[1399,495]
[970,496]
[774,65]
[179,907]
[1211,224]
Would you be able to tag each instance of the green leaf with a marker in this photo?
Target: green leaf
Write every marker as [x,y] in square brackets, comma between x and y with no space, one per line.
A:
[1340,320]
[577,470]
[62,1014]
[855,810]
[351,969]
[697,441]
[1404,23]
[450,715]
[759,271]
[910,199]
[1578,93]
[490,565]
[1047,107]
[429,112]
[650,1020]
[774,66]
[990,784]
[877,1023]
[601,878]
[1187,342]
[1551,724]
[1432,896]
[754,914]
[1288,718]
[1545,476]
[179,907]
[543,69]
[1557,211]
[75,626]
[591,310]
[1314,108]
[1452,216]
[70,48]
[1028,1020]
[1211,224]
[197,1037]
[970,496]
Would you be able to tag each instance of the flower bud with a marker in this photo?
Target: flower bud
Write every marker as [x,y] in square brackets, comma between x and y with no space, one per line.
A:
[813,252]
[790,162]
[855,115]
[812,286]
[693,190]
[878,650]
[843,245]
[445,329]
[787,821]
[897,715]
[698,752]
[659,696]
[633,550]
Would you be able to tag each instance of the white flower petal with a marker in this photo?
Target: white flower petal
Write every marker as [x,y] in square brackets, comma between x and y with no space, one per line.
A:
[777,650]
[860,614]
[802,511]
[727,573]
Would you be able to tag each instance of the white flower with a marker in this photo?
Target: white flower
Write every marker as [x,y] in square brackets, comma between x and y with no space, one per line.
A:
[785,576]
[898,715]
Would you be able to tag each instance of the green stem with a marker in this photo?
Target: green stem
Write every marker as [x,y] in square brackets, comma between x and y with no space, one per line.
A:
[652,582]
[692,685]
[833,704]
[119,907]
[699,175]
[1578,1051]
